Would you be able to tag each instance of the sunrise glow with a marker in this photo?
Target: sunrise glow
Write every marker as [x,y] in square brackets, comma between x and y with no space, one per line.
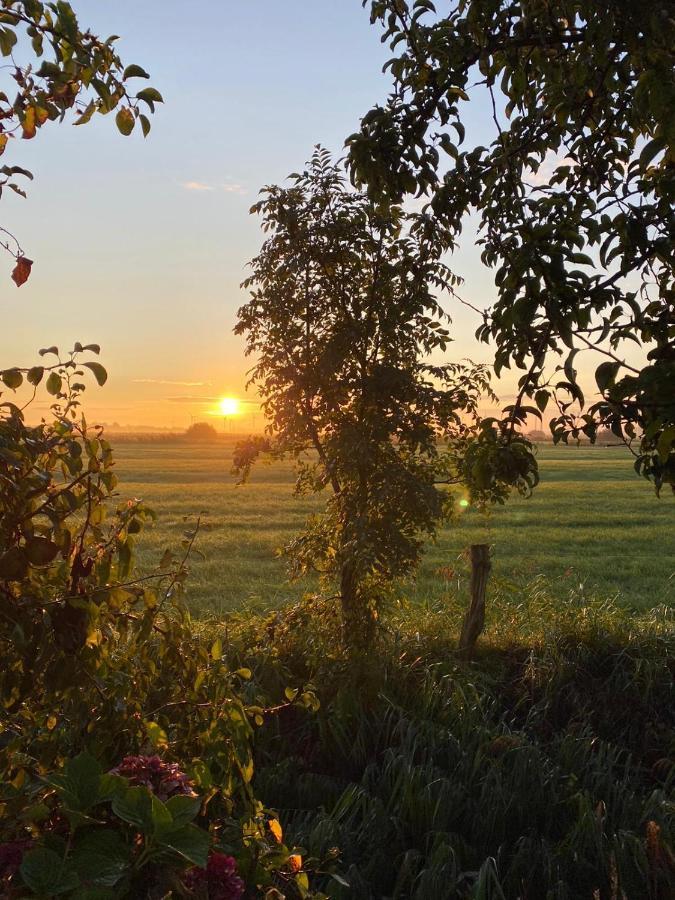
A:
[229,406]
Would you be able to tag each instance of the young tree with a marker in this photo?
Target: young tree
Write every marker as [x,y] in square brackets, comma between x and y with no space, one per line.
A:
[77,71]
[581,95]
[342,319]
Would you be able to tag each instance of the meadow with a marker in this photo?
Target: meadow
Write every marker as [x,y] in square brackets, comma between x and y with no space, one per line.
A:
[592,528]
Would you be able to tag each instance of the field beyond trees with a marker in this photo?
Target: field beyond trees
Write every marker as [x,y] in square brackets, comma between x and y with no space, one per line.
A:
[590,529]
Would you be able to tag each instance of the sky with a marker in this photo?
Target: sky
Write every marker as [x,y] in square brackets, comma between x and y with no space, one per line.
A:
[140,245]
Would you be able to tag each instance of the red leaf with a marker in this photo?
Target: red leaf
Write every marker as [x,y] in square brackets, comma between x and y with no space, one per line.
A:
[21,271]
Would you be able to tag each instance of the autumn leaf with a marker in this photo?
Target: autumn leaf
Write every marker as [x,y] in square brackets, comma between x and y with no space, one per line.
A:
[295,862]
[29,124]
[3,143]
[21,272]
[275,828]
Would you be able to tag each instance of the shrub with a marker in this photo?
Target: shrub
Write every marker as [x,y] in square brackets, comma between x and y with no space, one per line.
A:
[201,431]
[125,741]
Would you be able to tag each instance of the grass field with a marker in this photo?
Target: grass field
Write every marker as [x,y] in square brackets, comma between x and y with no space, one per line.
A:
[591,522]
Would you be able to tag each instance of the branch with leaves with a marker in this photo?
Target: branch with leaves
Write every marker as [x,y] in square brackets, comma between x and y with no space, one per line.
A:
[73,72]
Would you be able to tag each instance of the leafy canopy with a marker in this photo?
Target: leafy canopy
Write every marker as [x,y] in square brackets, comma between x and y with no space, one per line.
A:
[574,194]
[72,70]
[345,327]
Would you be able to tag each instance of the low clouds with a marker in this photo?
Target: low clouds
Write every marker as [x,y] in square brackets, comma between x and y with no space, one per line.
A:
[228,187]
[196,186]
[193,399]
[173,383]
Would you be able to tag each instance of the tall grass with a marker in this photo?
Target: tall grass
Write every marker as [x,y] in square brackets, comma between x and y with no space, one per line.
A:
[545,769]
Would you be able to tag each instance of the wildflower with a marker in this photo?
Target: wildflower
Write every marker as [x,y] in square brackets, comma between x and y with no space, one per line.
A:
[163,779]
[218,881]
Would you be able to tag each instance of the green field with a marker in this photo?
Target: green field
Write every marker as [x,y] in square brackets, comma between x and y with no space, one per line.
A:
[591,523]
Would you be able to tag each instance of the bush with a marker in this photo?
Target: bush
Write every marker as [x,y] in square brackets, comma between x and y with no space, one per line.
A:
[125,741]
[201,431]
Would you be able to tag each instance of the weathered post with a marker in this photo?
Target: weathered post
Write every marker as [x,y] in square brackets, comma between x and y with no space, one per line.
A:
[475,617]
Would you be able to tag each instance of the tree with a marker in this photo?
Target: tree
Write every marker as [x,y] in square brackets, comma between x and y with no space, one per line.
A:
[77,71]
[342,319]
[201,431]
[574,194]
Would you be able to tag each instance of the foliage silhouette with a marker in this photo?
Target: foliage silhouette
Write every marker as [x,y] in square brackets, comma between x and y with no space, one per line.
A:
[582,162]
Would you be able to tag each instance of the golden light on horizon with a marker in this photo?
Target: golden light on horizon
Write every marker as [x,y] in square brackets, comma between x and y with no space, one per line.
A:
[229,406]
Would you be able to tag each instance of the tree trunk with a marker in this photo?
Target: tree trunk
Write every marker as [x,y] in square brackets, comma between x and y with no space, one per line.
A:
[475,617]
[358,617]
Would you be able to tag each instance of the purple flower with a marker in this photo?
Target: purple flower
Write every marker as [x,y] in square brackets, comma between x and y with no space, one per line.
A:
[218,881]
[163,779]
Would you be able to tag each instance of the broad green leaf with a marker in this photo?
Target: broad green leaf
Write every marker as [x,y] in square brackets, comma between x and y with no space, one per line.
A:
[46,874]
[190,842]
[183,809]
[101,857]
[135,807]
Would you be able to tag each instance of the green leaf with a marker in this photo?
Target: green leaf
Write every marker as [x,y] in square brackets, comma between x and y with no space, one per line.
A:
[134,806]
[145,124]
[99,372]
[101,857]
[35,375]
[125,121]
[134,71]
[541,398]
[217,649]
[183,809]
[79,784]
[664,445]
[605,374]
[7,40]
[12,378]
[190,842]
[156,735]
[650,150]
[46,874]
[54,383]
[150,96]
[86,114]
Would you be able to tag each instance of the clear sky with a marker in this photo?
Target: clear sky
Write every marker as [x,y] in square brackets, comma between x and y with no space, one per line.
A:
[140,245]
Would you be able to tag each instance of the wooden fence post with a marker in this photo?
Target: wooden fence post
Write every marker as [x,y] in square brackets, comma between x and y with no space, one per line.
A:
[475,617]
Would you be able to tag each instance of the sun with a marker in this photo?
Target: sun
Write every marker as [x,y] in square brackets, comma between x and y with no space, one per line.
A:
[229,406]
